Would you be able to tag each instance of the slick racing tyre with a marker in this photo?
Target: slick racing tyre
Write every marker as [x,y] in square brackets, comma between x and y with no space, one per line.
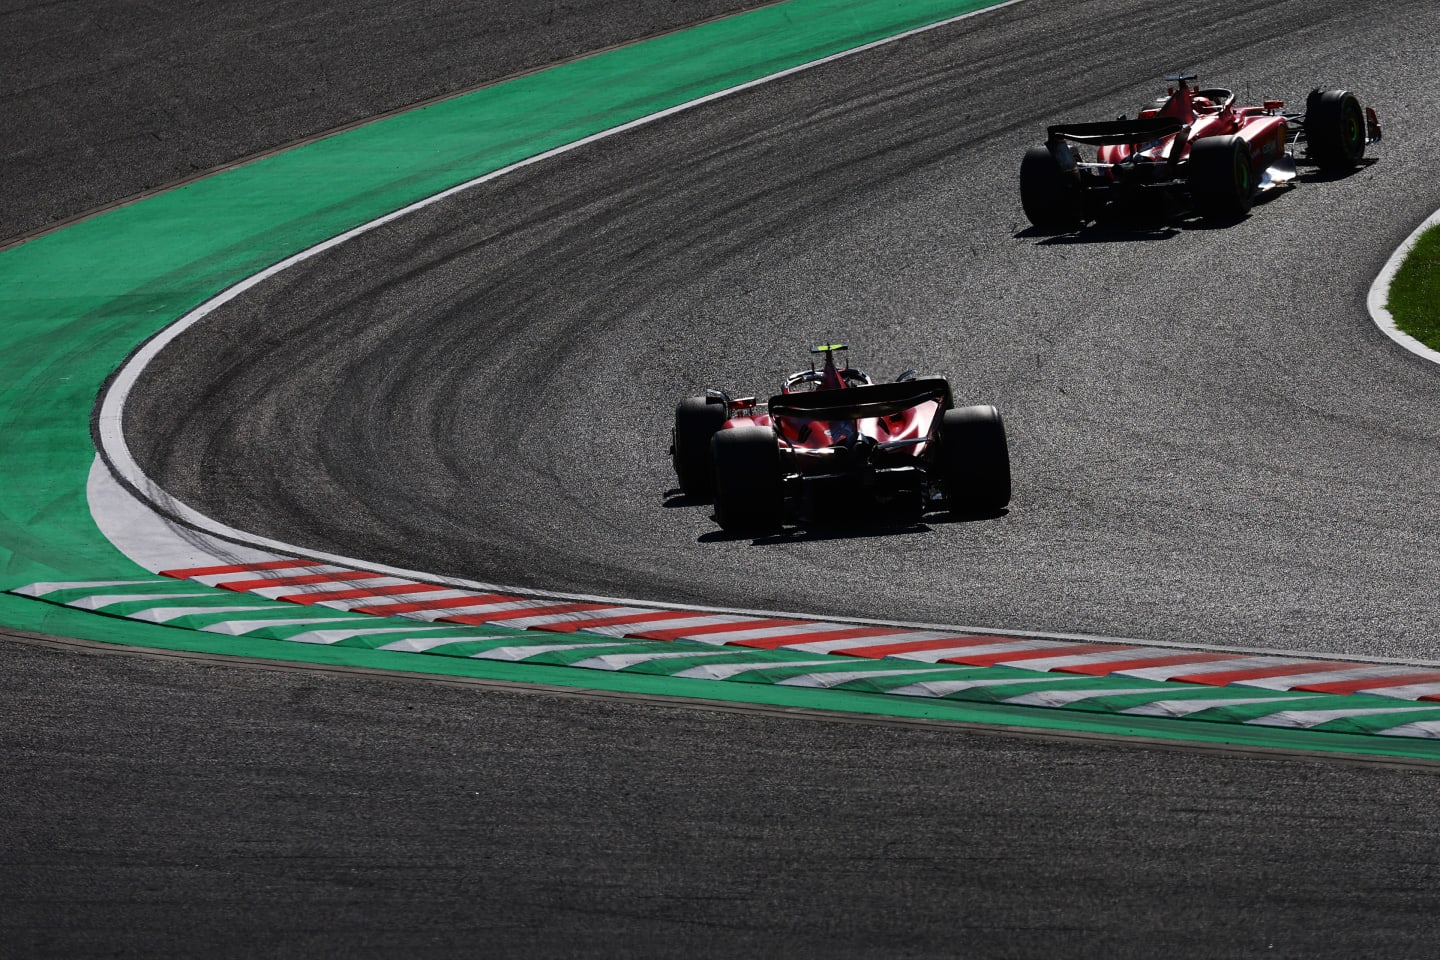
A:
[974,460]
[748,495]
[696,421]
[1334,129]
[1050,198]
[1222,178]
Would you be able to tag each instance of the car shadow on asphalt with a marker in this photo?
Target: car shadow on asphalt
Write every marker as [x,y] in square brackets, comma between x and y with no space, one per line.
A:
[820,533]
[816,534]
[973,516]
[1131,227]
[1100,233]
[1316,175]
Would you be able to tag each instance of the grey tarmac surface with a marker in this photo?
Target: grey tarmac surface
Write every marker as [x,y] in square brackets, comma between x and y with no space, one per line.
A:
[164,807]
[1211,441]
[105,100]
[233,812]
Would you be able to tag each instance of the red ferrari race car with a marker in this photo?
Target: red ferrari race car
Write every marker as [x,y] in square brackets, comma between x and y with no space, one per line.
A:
[1196,149]
[833,441]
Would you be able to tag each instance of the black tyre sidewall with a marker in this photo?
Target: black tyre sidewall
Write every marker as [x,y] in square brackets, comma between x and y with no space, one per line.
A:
[974,459]
[1221,177]
[748,491]
[1335,129]
[696,422]
[1049,201]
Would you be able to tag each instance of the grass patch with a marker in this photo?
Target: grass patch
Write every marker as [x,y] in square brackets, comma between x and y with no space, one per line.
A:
[1415,292]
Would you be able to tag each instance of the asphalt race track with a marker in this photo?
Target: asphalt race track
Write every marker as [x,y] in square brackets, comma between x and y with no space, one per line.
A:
[103,101]
[1211,443]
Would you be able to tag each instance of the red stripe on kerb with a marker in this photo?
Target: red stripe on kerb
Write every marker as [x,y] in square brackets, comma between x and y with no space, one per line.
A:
[189,572]
[850,633]
[1111,666]
[570,626]
[1350,686]
[476,619]
[389,609]
[1224,677]
[990,659]
[356,593]
[914,646]
[241,586]
[758,623]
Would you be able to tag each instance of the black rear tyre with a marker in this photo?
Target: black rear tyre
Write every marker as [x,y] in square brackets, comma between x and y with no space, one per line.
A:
[975,459]
[1334,129]
[748,493]
[696,421]
[1050,198]
[1221,177]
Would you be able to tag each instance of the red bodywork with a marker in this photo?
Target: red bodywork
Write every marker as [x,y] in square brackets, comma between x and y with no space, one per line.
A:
[809,442]
[833,441]
[1195,151]
[1263,128]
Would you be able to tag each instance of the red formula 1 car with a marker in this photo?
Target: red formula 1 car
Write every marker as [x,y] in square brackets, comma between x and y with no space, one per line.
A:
[835,441]
[1195,150]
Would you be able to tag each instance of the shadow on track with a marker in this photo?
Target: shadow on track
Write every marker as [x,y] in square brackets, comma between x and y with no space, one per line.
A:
[840,530]
[1138,225]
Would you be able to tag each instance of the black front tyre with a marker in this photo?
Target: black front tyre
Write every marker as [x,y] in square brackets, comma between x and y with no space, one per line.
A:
[1221,177]
[748,493]
[974,460]
[1334,129]
[696,421]
[1050,197]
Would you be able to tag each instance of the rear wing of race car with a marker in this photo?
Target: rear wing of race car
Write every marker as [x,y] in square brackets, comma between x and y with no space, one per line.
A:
[1116,131]
[859,403]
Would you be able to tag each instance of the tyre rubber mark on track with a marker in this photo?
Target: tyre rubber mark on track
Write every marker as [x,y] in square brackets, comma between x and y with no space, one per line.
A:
[109,433]
[77,301]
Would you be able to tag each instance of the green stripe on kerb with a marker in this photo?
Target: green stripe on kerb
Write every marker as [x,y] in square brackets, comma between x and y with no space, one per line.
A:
[884,686]
[69,622]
